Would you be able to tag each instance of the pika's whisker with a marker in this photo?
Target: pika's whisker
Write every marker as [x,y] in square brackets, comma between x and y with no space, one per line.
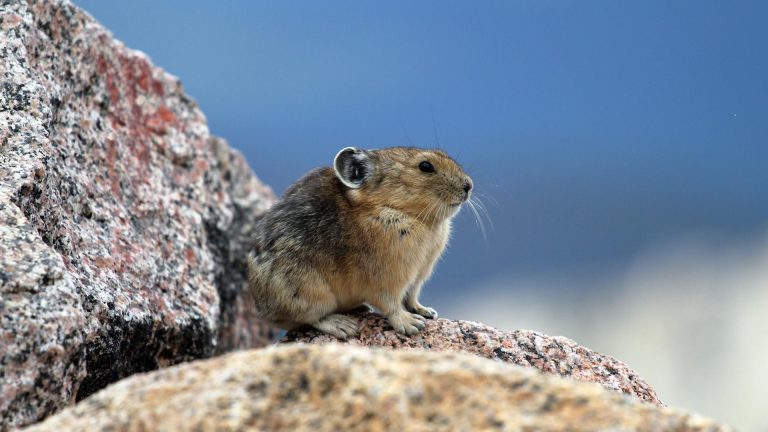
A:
[478,220]
[483,210]
[426,210]
[488,197]
[433,210]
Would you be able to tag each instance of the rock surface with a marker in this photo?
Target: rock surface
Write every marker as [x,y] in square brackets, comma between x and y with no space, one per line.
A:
[333,387]
[555,355]
[122,221]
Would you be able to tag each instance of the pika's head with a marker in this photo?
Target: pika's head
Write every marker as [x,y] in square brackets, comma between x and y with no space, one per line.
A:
[426,184]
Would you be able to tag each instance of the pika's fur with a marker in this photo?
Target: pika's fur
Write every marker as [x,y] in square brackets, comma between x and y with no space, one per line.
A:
[367,231]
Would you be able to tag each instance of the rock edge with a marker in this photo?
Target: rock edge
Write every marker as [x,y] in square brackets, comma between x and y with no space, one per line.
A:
[556,355]
[335,387]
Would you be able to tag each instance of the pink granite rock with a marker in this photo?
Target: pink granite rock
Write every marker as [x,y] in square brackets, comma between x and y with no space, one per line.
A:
[555,355]
[122,220]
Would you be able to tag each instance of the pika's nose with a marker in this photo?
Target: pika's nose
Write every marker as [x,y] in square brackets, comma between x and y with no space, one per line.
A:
[467,185]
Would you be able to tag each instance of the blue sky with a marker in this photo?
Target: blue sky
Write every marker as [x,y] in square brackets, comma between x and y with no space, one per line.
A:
[597,129]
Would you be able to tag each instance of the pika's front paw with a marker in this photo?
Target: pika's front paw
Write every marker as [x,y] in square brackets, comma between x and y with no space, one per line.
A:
[337,325]
[406,323]
[426,312]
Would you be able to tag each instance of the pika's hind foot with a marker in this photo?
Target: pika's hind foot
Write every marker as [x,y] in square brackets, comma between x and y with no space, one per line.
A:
[337,325]
[426,312]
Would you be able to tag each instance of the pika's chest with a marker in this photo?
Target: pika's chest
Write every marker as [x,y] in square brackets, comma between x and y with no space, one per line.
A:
[404,245]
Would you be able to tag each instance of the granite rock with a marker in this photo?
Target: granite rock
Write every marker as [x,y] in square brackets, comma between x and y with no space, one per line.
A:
[332,387]
[122,220]
[554,355]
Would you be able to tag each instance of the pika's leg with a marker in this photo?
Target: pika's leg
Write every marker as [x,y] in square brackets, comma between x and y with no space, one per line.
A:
[411,302]
[405,322]
[400,319]
[411,299]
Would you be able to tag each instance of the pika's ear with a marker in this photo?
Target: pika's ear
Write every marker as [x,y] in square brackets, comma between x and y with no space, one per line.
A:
[352,166]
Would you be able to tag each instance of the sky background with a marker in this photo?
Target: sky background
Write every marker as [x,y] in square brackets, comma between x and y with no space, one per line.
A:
[599,134]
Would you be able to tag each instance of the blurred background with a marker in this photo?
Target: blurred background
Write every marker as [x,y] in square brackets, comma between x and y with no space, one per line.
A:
[620,148]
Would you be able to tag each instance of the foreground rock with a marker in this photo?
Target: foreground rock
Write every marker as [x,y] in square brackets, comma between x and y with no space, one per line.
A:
[122,221]
[334,387]
[556,355]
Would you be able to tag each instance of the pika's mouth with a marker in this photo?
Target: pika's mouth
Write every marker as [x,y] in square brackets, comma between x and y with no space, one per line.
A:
[455,204]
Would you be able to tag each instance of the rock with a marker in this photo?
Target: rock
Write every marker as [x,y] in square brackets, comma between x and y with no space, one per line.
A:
[555,355]
[122,220]
[335,387]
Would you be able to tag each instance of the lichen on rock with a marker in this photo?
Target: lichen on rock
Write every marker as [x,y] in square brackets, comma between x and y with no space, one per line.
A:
[122,220]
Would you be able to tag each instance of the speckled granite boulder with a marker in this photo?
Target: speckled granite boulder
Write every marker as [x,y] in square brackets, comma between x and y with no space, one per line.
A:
[333,388]
[122,221]
[556,355]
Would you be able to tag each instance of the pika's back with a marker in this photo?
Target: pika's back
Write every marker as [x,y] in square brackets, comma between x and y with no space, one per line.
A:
[310,216]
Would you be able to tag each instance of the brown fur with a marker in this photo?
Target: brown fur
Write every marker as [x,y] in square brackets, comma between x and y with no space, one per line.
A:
[369,231]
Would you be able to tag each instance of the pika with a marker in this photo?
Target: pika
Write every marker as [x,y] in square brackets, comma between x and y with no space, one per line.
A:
[367,231]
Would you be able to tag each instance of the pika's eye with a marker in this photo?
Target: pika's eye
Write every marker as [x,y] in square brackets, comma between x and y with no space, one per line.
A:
[426,167]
